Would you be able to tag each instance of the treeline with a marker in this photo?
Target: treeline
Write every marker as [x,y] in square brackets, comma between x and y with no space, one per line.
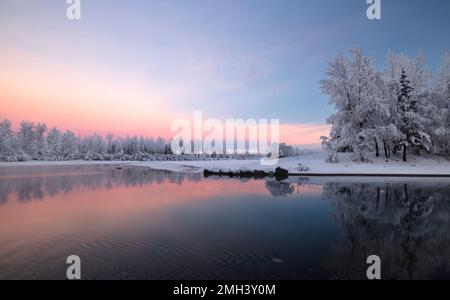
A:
[36,142]
[402,109]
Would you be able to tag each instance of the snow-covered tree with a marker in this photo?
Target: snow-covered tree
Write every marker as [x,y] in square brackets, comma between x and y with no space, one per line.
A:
[440,98]
[400,109]
[130,145]
[69,146]
[110,146]
[286,150]
[388,134]
[92,147]
[409,120]
[442,81]
[357,91]
[27,139]
[7,148]
[414,68]
[419,78]
[338,87]
[54,144]
[40,147]
[160,145]
[33,141]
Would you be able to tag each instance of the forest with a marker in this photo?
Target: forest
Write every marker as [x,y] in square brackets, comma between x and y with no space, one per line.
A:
[35,141]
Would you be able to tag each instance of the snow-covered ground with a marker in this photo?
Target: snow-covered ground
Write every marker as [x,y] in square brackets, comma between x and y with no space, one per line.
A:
[315,162]
[317,165]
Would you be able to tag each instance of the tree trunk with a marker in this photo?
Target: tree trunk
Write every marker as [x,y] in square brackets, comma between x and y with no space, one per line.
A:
[386,154]
[388,197]
[377,149]
[378,197]
[405,197]
[404,154]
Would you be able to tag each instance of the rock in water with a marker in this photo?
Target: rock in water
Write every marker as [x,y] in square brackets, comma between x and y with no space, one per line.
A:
[281,174]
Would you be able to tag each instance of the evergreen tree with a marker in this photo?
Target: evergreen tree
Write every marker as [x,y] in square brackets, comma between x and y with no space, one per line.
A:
[409,120]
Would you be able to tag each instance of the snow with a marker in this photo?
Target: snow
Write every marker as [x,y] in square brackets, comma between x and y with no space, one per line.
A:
[388,111]
[315,162]
[317,166]
[378,166]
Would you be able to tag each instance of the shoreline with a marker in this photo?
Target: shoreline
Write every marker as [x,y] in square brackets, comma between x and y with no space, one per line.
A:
[261,174]
[288,167]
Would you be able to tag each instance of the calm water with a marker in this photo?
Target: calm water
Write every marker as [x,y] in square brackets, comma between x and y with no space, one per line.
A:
[142,224]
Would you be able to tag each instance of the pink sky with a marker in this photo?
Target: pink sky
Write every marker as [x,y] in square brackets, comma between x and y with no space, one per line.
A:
[83,100]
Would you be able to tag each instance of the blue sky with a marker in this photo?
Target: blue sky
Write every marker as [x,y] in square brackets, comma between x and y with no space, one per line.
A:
[234,58]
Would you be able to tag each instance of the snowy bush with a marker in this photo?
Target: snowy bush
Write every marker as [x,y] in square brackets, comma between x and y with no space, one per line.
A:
[329,146]
[22,156]
[302,168]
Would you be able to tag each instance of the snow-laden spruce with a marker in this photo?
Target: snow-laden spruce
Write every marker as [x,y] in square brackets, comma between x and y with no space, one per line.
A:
[404,108]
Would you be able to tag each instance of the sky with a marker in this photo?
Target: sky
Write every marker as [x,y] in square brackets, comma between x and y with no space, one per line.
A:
[134,66]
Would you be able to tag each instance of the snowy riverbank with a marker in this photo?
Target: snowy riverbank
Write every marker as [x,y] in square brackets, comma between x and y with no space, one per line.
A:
[316,166]
[315,163]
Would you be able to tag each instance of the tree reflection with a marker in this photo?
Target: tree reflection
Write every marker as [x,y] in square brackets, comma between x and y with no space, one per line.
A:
[279,189]
[283,188]
[50,182]
[405,224]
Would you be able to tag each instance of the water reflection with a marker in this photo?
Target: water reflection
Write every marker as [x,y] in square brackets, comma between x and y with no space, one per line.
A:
[41,182]
[146,224]
[279,189]
[406,224]
[284,189]
[50,181]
